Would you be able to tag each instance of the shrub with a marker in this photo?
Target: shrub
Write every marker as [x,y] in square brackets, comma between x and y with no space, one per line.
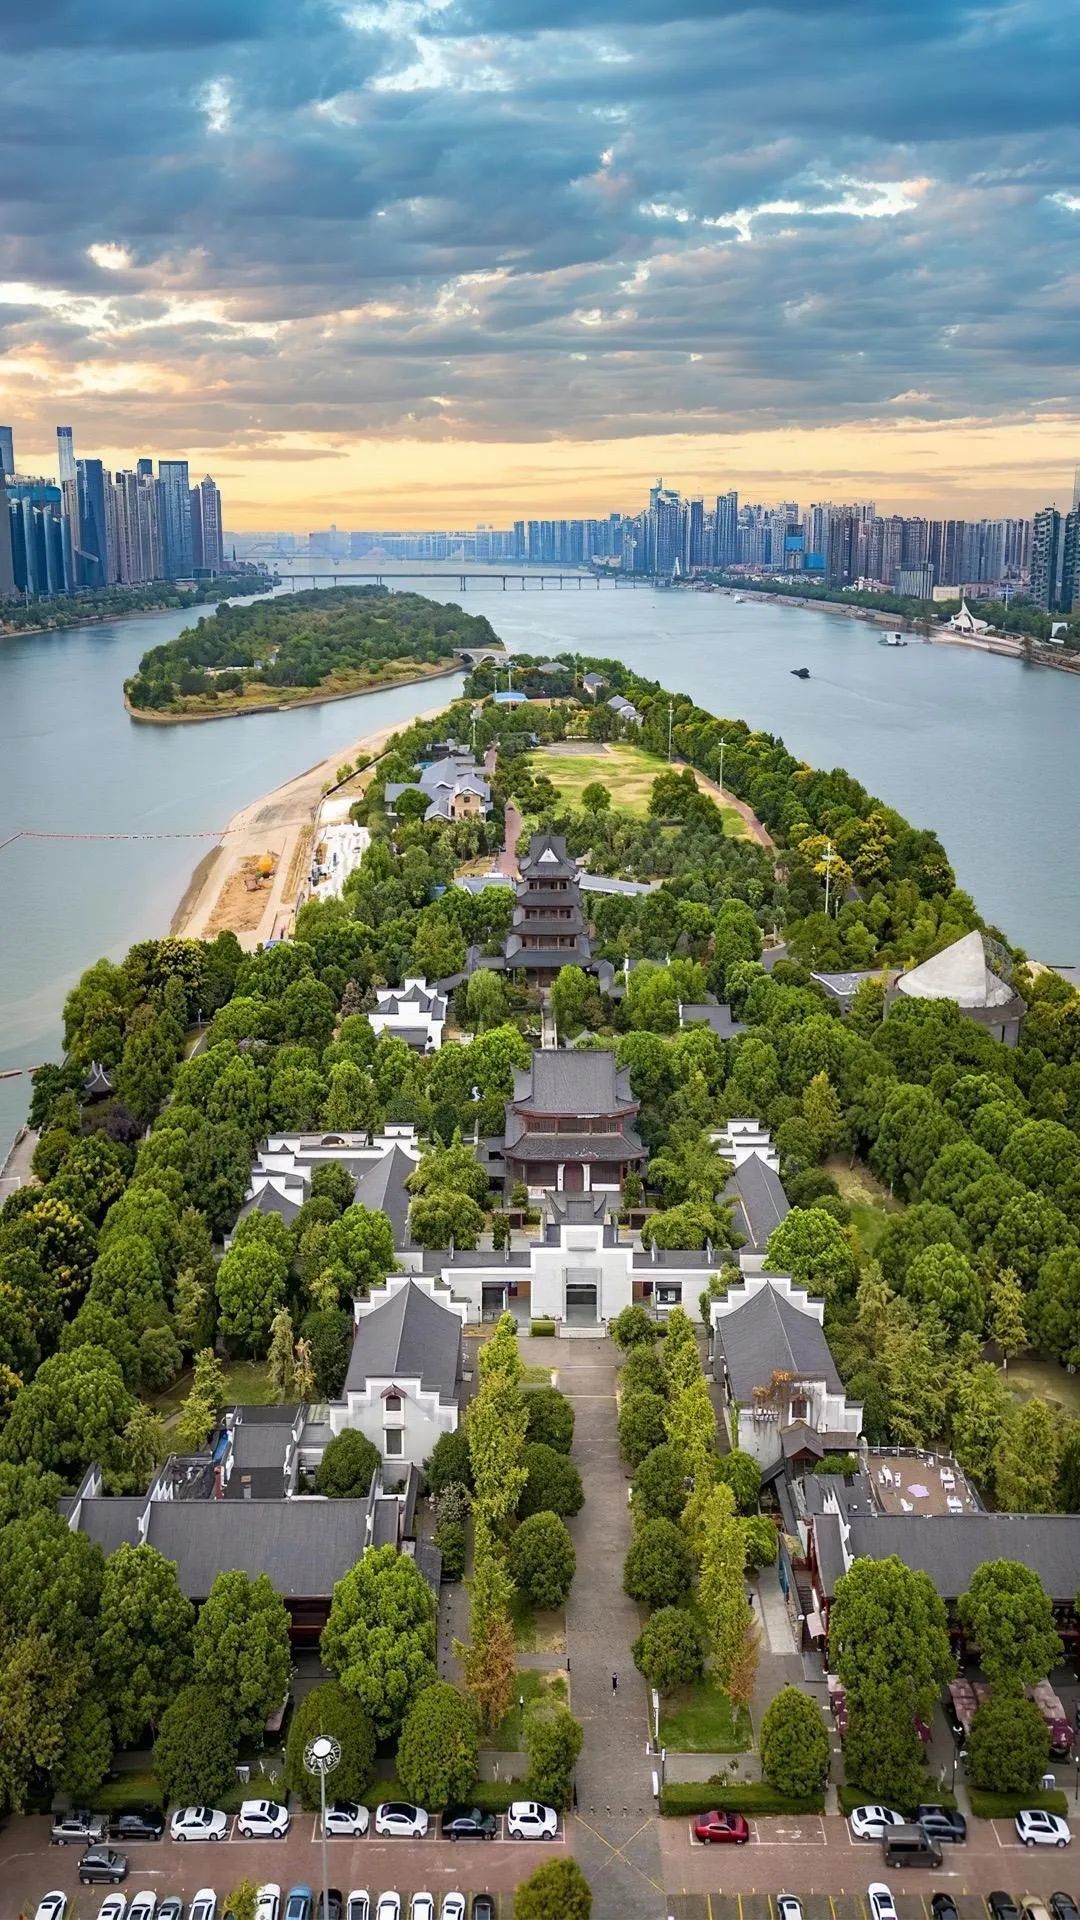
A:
[553,1485]
[641,1425]
[346,1467]
[794,1743]
[552,1741]
[329,1709]
[660,1486]
[659,1566]
[550,1419]
[743,1475]
[642,1372]
[762,1541]
[541,1559]
[668,1650]
[633,1327]
[542,1329]
[195,1751]
[1008,1745]
[451,1541]
[448,1463]
[437,1751]
[555,1891]
[684,1797]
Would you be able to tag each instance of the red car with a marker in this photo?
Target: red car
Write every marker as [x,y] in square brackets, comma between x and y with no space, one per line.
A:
[714,1829]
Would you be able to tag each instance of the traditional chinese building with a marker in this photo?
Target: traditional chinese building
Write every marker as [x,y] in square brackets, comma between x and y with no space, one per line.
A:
[570,1125]
[548,930]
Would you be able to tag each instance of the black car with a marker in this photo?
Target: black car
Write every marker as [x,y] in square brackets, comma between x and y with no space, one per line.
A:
[943,1907]
[333,1910]
[483,1907]
[944,1823]
[1002,1906]
[139,1823]
[1063,1906]
[469,1823]
[102,1863]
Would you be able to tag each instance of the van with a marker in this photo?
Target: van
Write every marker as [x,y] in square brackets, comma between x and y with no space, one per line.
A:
[910,1847]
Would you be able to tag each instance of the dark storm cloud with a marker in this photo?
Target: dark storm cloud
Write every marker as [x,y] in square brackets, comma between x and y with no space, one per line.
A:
[501,219]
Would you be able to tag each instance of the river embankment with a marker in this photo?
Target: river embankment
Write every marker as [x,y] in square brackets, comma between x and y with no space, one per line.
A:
[236,709]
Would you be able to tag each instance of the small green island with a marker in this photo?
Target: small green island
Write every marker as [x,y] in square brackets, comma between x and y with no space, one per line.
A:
[299,649]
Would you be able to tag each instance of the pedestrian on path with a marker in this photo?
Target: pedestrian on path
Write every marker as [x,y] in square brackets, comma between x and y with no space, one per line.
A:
[614,1683]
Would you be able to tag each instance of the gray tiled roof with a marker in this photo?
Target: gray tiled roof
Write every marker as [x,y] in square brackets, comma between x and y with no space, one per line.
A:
[382,1188]
[110,1522]
[766,1335]
[760,1201]
[718,1017]
[270,1200]
[949,1547]
[573,1083]
[409,1337]
[305,1545]
[604,1147]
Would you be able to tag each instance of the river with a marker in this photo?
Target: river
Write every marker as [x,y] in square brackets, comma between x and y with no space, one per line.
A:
[983,749]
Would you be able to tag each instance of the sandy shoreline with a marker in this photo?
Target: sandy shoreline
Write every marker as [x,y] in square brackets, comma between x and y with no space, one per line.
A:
[146,717]
[274,824]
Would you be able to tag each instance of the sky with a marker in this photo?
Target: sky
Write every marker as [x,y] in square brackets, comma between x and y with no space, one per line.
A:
[429,262]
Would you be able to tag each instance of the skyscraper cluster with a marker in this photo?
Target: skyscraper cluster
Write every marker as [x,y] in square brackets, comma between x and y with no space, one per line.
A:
[95,528]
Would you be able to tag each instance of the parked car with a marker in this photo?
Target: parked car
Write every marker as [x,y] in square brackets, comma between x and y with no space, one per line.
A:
[113,1907]
[203,1905]
[347,1818]
[199,1823]
[102,1863]
[331,1907]
[453,1907]
[138,1823]
[717,1829]
[421,1907]
[268,1901]
[1003,1906]
[83,1828]
[787,1907]
[529,1820]
[870,1823]
[389,1907]
[1033,1909]
[944,1907]
[299,1904]
[1035,1828]
[263,1820]
[483,1907]
[1064,1907]
[469,1823]
[142,1906]
[358,1905]
[882,1904]
[943,1822]
[171,1908]
[52,1906]
[400,1820]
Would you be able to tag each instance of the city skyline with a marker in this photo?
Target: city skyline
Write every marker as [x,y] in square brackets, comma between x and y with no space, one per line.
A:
[406,258]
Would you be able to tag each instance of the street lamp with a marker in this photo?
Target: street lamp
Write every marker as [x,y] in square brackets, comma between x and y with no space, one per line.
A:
[321,1756]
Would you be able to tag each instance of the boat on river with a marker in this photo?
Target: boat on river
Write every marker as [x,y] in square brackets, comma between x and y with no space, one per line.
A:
[892,640]
[801,673]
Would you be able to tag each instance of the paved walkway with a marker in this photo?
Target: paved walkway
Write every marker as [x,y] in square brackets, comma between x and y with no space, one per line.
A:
[615,1834]
[506,859]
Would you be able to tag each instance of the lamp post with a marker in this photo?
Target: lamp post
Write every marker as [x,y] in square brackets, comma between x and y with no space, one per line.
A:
[670,724]
[321,1756]
[723,744]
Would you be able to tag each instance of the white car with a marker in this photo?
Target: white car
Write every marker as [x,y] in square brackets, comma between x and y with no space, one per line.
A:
[52,1907]
[453,1907]
[787,1907]
[199,1823]
[263,1820]
[1038,1829]
[268,1902]
[389,1907]
[421,1907]
[358,1905]
[528,1820]
[204,1905]
[872,1823]
[347,1818]
[400,1820]
[113,1908]
[142,1906]
[882,1904]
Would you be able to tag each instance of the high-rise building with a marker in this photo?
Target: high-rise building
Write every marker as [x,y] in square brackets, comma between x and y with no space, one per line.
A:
[36,532]
[727,529]
[1070,563]
[69,494]
[92,521]
[7,571]
[175,504]
[7,452]
[696,534]
[1047,556]
[207,555]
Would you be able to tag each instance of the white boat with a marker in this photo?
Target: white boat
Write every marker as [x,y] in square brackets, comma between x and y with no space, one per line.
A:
[739,600]
[892,640]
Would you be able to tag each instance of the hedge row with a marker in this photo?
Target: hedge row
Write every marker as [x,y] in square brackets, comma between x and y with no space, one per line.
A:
[541,1329]
[852,1797]
[491,1796]
[680,1797]
[1002,1806]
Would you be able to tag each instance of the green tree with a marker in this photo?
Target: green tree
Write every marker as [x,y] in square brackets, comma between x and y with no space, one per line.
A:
[352,1102]
[883,1756]
[660,1486]
[281,1359]
[641,1425]
[332,1181]
[982,1407]
[556,1891]
[659,1565]
[943,1280]
[330,1710]
[443,1217]
[668,1650]
[242,1647]
[571,992]
[595,797]
[1026,1460]
[794,1745]
[88,1751]
[552,1741]
[438,1747]
[633,1327]
[362,1243]
[552,1483]
[1007,1611]
[1005,1319]
[195,1751]
[251,1282]
[202,1409]
[690,1425]
[497,1452]
[486,1003]
[449,1464]
[40,1691]
[327,1335]
[1052,1311]
[642,1372]
[721,1593]
[740,1471]
[347,1465]
[490,1658]
[816,1251]
[889,1639]
[380,1637]
[549,1419]
[144,1639]
[541,1559]
[1008,1745]
[73,1413]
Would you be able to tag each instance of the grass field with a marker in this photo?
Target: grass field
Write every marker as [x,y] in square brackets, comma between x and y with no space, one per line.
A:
[245,1382]
[1027,1377]
[702,1719]
[530,1683]
[870,1204]
[626,771]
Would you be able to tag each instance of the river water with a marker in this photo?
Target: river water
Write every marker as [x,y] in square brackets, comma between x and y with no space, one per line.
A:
[983,749]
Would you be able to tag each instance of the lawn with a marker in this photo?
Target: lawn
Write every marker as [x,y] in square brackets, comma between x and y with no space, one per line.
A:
[701,1719]
[529,1684]
[626,771]
[245,1382]
[1026,1377]
[536,1630]
[869,1201]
